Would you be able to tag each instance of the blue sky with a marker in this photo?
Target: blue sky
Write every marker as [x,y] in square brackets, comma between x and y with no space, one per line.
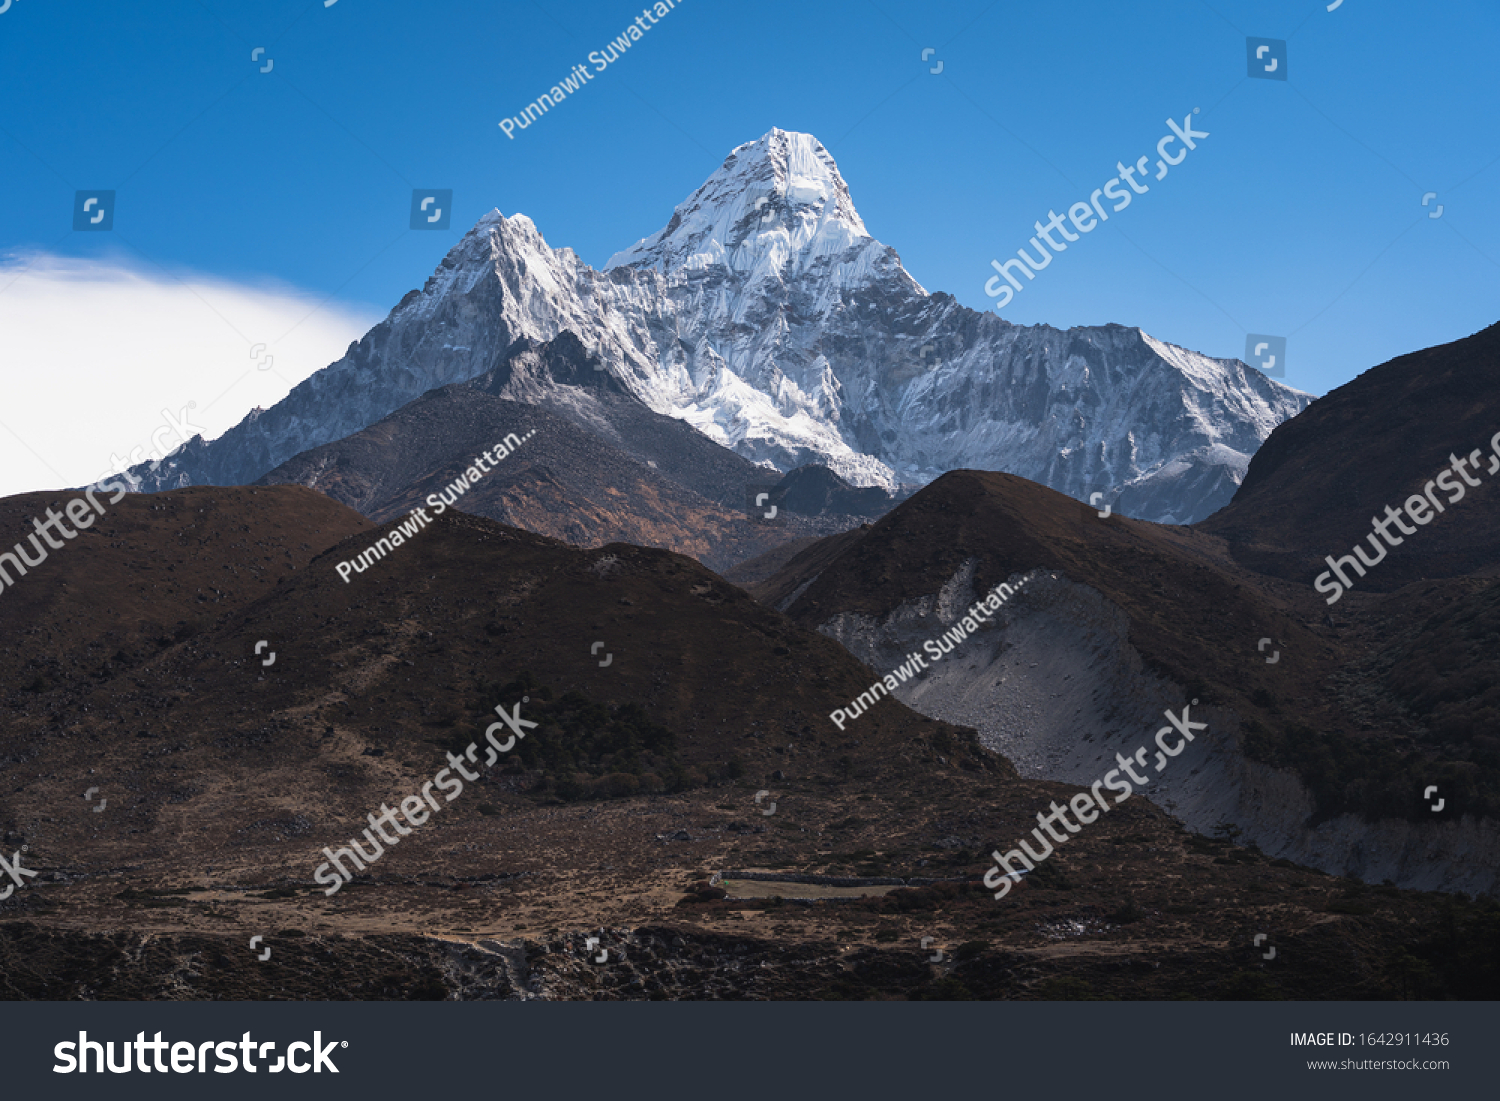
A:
[1299,216]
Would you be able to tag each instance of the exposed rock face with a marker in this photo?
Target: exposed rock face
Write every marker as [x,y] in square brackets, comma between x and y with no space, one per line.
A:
[766,316]
[1054,684]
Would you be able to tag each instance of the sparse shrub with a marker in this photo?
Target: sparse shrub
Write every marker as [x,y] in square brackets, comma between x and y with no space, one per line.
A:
[1412,975]
[617,785]
[1127,912]
[429,988]
[583,749]
[1049,875]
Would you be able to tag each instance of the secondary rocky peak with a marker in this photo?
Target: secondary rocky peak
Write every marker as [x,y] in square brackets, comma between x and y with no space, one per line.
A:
[530,370]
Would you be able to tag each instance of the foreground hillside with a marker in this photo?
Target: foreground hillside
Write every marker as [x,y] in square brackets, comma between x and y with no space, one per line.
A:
[1313,755]
[176,799]
[1375,442]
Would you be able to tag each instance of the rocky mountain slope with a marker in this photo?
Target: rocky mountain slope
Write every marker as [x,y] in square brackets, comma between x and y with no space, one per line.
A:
[1376,441]
[150,574]
[766,316]
[1312,752]
[218,778]
[596,467]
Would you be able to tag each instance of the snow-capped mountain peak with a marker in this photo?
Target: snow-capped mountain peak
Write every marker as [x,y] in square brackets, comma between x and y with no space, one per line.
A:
[775,199]
[765,315]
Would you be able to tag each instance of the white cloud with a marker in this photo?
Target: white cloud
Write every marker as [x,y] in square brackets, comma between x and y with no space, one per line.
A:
[91,352]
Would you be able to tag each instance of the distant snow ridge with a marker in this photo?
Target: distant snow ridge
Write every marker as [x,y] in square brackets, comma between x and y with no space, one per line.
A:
[765,315]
